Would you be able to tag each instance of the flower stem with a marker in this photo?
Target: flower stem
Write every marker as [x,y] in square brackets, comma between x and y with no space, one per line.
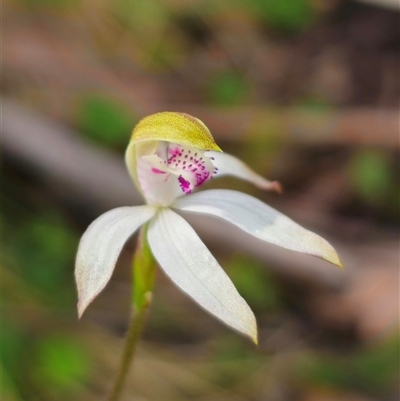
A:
[132,337]
[144,273]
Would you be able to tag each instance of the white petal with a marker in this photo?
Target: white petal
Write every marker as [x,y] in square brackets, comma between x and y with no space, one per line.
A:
[100,247]
[188,262]
[227,164]
[258,219]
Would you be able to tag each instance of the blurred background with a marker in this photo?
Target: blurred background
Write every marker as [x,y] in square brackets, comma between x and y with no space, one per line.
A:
[306,92]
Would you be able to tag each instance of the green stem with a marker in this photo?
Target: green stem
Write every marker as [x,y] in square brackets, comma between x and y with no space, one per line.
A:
[144,273]
[132,337]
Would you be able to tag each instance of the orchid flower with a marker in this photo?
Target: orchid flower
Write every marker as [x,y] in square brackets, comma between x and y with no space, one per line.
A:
[169,156]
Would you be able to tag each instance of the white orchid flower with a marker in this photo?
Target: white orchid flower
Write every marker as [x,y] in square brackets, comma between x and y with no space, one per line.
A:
[169,156]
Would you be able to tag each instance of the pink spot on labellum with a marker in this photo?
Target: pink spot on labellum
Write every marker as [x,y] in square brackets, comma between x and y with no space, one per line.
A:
[157,171]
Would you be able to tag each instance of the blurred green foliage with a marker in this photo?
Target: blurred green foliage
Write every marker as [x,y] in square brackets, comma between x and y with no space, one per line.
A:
[149,17]
[158,44]
[286,16]
[104,120]
[234,361]
[228,88]
[164,54]
[254,282]
[372,370]
[371,175]
[61,362]
[41,250]
[40,358]
[12,352]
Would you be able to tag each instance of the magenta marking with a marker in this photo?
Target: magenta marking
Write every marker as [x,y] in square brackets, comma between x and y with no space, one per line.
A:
[157,171]
[185,185]
[200,178]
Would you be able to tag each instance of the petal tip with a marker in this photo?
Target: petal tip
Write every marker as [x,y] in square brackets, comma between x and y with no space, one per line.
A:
[81,308]
[324,250]
[265,185]
[252,331]
[339,263]
[334,259]
[276,187]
